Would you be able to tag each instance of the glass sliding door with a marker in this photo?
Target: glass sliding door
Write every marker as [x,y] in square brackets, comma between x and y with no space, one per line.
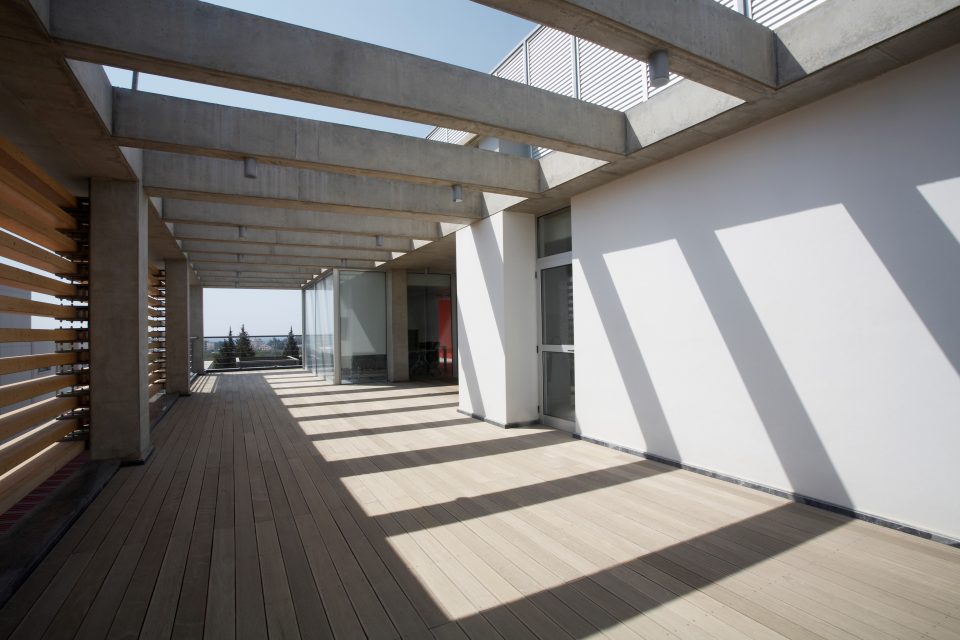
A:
[325,328]
[430,326]
[555,276]
[363,326]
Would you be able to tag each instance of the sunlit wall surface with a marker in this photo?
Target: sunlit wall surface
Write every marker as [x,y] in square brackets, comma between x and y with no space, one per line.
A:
[782,305]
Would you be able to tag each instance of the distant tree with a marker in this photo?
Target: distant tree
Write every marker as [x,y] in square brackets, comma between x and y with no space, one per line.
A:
[227,353]
[291,348]
[244,346]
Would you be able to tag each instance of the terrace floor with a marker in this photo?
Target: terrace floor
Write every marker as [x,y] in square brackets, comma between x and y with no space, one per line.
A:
[277,506]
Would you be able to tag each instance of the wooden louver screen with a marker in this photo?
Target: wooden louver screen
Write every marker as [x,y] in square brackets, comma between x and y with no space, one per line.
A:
[156,336]
[44,373]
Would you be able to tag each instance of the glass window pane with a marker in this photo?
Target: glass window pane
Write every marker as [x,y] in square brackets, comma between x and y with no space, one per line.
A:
[553,234]
[556,309]
[430,326]
[558,385]
[324,328]
[363,326]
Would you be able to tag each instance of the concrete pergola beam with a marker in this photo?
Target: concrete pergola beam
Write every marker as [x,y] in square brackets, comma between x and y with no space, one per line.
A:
[165,123]
[281,252]
[185,177]
[216,262]
[283,219]
[707,42]
[223,283]
[242,259]
[288,240]
[213,45]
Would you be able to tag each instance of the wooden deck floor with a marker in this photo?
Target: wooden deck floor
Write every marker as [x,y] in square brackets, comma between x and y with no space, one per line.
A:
[275,506]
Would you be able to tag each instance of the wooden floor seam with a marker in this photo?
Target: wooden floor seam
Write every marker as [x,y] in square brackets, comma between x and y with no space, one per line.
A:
[278,506]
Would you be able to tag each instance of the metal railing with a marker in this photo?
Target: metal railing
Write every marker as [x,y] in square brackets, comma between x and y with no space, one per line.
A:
[266,351]
[559,62]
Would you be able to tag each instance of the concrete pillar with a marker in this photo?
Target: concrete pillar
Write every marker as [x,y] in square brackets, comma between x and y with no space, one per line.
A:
[497,319]
[398,369]
[120,425]
[178,327]
[196,328]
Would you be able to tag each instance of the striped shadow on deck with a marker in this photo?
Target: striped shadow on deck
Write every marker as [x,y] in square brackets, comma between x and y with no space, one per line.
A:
[278,506]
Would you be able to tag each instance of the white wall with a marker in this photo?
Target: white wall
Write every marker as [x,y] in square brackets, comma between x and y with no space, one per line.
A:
[496,318]
[784,305]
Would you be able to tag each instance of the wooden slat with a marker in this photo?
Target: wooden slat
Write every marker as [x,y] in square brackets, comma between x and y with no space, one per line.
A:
[9,304]
[35,230]
[17,195]
[154,389]
[20,481]
[20,391]
[29,281]
[13,364]
[20,250]
[38,335]
[15,161]
[20,449]
[31,415]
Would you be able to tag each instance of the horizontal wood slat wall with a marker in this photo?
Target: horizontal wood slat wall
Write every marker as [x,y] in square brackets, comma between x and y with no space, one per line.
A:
[156,333]
[42,228]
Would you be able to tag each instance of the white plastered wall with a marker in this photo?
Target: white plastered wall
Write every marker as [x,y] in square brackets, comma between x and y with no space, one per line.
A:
[783,305]
[496,317]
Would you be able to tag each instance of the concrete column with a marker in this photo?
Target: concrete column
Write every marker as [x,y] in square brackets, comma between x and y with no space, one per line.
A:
[120,425]
[178,327]
[398,369]
[196,328]
[497,319]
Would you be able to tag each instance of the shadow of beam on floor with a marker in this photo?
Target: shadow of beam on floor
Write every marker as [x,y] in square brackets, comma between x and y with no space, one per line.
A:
[638,587]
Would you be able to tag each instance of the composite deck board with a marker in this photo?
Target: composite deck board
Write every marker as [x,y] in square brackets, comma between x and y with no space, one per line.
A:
[276,506]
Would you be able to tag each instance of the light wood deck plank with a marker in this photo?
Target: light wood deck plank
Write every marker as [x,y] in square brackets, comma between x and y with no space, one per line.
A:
[279,506]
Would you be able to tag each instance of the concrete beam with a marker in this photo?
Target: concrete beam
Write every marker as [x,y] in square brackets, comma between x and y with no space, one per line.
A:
[283,219]
[292,240]
[165,123]
[174,175]
[279,253]
[203,263]
[242,285]
[707,42]
[210,44]
[837,44]
[242,259]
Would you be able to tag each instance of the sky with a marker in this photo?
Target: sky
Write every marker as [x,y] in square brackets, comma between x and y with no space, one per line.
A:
[454,31]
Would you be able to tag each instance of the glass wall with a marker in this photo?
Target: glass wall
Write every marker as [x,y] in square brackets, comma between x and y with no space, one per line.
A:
[318,327]
[363,326]
[430,326]
[325,328]
[309,329]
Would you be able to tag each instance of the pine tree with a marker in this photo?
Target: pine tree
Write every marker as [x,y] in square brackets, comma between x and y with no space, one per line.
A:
[291,348]
[244,346]
[227,353]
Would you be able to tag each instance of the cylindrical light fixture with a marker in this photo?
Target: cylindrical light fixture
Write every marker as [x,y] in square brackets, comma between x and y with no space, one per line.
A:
[242,231]
[379,241]
[250,167]
[659,68]
[458,193]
